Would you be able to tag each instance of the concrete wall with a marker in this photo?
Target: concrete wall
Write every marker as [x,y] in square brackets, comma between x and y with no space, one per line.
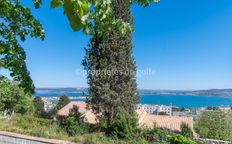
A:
[13,138]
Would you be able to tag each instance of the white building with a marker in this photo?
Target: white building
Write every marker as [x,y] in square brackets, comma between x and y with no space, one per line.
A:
[224,108]
[155,109]
[48,107]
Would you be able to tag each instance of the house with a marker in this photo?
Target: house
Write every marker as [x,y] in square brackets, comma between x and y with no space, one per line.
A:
[88,115]
[172,123]
[145,119]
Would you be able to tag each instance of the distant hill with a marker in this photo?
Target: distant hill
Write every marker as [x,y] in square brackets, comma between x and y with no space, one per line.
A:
[213,92]
[209,92]
[60,90]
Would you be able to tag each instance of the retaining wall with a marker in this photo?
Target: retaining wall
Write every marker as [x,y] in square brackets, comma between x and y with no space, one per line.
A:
[13,138]
[212,141]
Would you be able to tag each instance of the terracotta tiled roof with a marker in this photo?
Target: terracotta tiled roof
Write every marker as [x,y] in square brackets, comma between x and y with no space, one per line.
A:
[168,122]
[66,109]
[88,114]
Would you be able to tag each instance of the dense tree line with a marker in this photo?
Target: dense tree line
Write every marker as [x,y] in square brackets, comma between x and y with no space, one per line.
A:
[215,125]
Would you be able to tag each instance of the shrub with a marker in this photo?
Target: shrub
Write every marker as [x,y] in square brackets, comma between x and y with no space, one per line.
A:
[74,123]
[73,127]
[154,135]
[123,125]
[186,130]
[28,124]
[13,98]
[179,139]
[31,122]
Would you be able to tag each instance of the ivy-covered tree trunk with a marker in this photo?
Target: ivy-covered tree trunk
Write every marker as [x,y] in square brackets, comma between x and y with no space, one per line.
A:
[111,69]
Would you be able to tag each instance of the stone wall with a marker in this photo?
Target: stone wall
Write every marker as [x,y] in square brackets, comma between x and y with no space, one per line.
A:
[211,141]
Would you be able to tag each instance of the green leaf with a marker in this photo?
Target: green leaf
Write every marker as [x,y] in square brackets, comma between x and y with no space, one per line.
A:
[74,10]
[56,3]
[85,7]
[73,17]
[37,3]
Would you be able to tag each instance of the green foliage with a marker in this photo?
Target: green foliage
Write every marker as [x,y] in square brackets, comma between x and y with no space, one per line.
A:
[39,107]
[212,108]
[51,113]
[30,122]
[215,125]
[123,125]
[162,113]
[34,126]
[154,135]
[74,10]
[91,15]
[146,3]
[114,87]
[179,139]
[63,101]
[186,130]
[72,127]
[16,23]
[37,3]
[13,98]
[40,127]
[74,123]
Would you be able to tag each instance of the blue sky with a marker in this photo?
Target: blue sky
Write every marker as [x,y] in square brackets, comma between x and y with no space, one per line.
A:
[188,43]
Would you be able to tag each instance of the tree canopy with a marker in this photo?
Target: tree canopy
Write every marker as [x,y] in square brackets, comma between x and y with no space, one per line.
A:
[39,106]
[16,23]
[215,125]
[13,98]
[63,101]
[87,15]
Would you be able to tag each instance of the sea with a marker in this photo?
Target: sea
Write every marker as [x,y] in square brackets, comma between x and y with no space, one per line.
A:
[183,101]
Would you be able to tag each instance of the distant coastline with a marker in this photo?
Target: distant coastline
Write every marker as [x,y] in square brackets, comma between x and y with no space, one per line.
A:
[210,92]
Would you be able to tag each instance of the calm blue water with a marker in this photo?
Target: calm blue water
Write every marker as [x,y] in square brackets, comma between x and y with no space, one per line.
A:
[176,100]
[186,100]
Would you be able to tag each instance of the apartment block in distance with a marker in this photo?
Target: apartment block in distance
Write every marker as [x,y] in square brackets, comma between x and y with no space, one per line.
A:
[155,109]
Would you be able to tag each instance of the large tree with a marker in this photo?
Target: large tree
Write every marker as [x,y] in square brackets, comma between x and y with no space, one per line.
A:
[16,23]
[111,68]
[108,61]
